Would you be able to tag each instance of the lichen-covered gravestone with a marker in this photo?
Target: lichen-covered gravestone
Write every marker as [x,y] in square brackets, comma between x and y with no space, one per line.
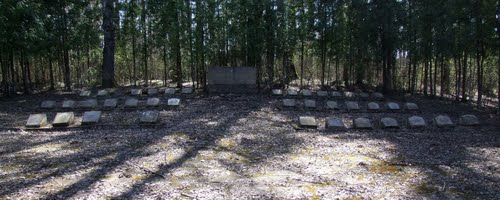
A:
[307,122]
[170,91]
[373,106]
[149,117]
[277,92]
[469,120]
[37,121]
[136,92]
[334,123]
[389,122]
[416,122]
[173,102]
[131,103]
[91,117]
[292,92]
[110,103]
[187,90]
[152,91]
[352,105]
[362,123]
[64,119]
[332,105]
[336,94]
[85,93]
[289,102]
[443,121]
[68,104]
[309,103]
[153,102]
[89,103]
[102,93]
[411,106]
[48,104]
[393,106]
[306,92]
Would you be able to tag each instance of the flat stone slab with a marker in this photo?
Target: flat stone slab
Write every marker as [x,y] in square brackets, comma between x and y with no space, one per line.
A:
[292,92]
[389,122]
[336,94]
[152,91]
[352,105]
[306,92]
[153,102]
[416,122]
[349,94]
[85,93]
[307,122]
[393,106]
[136,92]
[277,92]
[373,106]
[469,120]
[68,104]
[332,105]
[170,91]
[48,104]
[91,117]
[411,106]
[37,121]
[187,90]
[110,103]
[322,93]
[364,95]
[111,90]
[334,123]
[309,103]
[443,121]
[149,117]
[131,103]
[362,123]
[174,102]
[89,103]
[289,102]
[64,119]
[377,95]
[102,93]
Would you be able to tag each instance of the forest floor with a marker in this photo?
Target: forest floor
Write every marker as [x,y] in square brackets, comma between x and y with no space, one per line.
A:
[247,147]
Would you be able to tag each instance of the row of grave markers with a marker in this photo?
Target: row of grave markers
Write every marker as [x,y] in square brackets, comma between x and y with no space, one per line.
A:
[108,103]
[322,93]
[351,105]
[137,92]
[441,121]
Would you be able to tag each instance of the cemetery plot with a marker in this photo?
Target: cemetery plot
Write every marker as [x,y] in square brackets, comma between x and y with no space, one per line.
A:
[64,119]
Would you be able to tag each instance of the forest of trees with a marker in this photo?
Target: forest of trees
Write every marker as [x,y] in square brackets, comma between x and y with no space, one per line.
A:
[433,47]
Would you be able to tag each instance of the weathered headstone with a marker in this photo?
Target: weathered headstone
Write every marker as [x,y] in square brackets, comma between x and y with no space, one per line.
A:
[153,102]
[307,122]
[277,92]
[131,103]
[334,123]
[49,104]
[362,123]
[364,95]
[377,96]
[89,103]
[443,121]
[152,91]
[389,122]
[102,93]
[110,103]
[173,102]
[306,92]
[393,106]
[37,121]
[289,102]
[111,90]
[68,104]
[91,117]
[322,93]
[292,92]
[85,93]
[416,122]
[63,119]
[332,105]
[136,92]
[336,94]
[352,105]
[469,120]
[373,106]
[349,94]
[411,106]
[309,103]
[170,91]
[187,90]
[149,117]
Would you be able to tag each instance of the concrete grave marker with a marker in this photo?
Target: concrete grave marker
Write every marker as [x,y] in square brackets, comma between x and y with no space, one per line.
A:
[309,103]
[352,105]
[411,106]
[289,102]
[322,93]
[336,94]
[373,106]
[469,120]
[307,122]
[416,122]
[89,103]
[102,93]
[187,90]
[91,117]
[149,117]
[173,102]
[49,104]
[152,91]
[334,123]
[111,90]
[393,106]
[364,95]
[389,122]
[131,103]
[332,105]
[349,94]
[64,119]
[306,92]
[170,91]
[136,92]
[443,121]
[153,102]
[377,95]
[37,121]
[362,123]
[292,92]
[110,103]
[68,104]
[277,92]
[85,93]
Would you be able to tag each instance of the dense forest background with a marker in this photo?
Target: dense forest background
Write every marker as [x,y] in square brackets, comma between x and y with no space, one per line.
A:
[438,48]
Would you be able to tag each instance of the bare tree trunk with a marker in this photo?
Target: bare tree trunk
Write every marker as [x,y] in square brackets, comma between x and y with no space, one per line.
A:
[145,40]
[108,26]
[464,76]
[178,48]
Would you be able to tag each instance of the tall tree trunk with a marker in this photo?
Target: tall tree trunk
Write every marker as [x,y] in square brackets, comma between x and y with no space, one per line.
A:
[108,27]
[464,76]
[51,72]
[426,73]
[145,41]
[165,71]
[178,47]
